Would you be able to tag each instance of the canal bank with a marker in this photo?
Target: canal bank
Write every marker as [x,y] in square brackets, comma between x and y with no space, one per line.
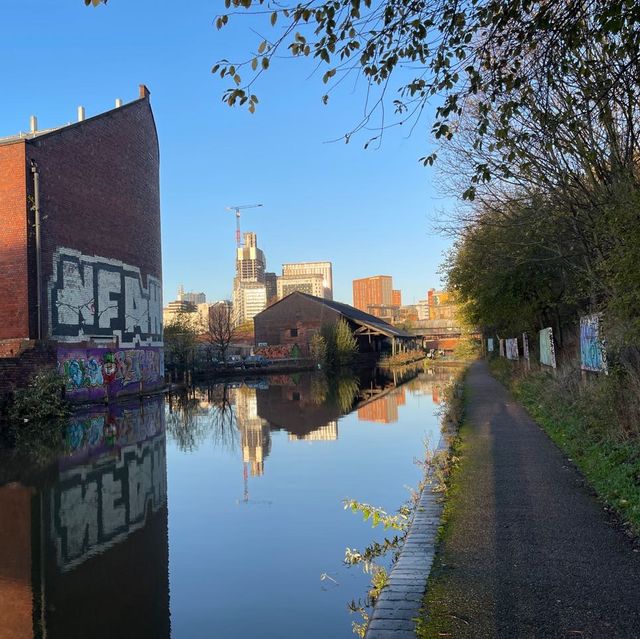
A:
[398,606]
[527,549]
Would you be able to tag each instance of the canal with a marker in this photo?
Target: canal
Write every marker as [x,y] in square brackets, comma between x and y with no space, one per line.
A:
[216,513]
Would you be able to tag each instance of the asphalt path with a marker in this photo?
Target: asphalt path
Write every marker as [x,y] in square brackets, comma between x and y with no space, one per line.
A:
[529,551]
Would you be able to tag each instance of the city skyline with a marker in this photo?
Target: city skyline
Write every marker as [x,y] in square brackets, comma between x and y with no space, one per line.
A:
[314,194]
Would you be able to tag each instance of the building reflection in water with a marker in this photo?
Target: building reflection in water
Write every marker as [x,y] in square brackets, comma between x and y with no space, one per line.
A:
[307,406]
[254,431]
[302,406]
[383,396]
[84,541]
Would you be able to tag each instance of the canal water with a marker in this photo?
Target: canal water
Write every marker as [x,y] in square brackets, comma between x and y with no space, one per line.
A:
[215,514]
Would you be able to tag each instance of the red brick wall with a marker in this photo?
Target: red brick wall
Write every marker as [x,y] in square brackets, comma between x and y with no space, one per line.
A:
[14,317]
[16,371]
[274,324]
[99,189]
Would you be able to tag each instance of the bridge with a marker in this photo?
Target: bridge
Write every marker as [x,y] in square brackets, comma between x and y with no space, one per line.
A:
[439,334]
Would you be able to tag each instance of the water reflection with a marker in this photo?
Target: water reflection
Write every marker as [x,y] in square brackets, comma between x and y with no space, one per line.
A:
[83,541]
[307,406]
[84,546]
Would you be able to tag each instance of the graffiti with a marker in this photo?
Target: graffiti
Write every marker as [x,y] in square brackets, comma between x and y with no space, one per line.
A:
[593,356]
[547,349]
[89,434]
[490,344]
[502,353]
[100,503]
[525,345]
[512,348]
[109,370]
[93,297]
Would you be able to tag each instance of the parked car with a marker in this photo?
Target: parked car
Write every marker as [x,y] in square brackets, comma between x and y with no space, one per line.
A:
[234,361]
[256,361]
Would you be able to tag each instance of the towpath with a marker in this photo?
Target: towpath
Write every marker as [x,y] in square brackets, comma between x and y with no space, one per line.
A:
[528,550]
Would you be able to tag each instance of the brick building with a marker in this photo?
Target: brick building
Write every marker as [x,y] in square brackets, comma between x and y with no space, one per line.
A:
[372,291]
[295,319]
[92,291]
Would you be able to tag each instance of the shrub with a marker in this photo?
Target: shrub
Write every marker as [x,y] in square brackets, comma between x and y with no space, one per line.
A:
[41,401]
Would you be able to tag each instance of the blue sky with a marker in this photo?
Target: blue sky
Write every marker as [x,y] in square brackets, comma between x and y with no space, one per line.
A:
[369,211]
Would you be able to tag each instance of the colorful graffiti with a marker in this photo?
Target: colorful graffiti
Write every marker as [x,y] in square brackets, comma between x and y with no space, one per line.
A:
[93,296]
[490,344]
[547,348]
[512,348]
[97,431]
[97,372]
[525,345]
[593,355]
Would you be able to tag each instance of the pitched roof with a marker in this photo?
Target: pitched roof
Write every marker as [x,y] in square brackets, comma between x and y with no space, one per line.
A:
[357,316]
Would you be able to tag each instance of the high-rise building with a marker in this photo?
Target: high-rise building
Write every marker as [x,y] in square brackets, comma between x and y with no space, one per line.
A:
[271,283]
[249,284]
[250,261]
[312,283]
[396,298]
[194,298]
[373,291]
[423,309]
[250,300]
[310,268]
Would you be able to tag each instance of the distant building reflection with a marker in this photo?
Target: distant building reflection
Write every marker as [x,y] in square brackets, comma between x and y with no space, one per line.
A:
[301,406]
[254,431]
[326,433]
[383,410]
[84,542]
[386,391]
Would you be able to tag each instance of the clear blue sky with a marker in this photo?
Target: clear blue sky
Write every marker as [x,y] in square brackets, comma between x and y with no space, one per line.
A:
[368,211]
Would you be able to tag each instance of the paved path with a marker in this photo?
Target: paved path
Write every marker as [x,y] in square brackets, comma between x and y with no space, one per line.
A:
[529,551]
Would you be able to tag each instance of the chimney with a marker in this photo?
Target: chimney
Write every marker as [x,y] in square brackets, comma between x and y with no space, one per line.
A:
[33,122]
[80,113]
[118,103]
[144,92]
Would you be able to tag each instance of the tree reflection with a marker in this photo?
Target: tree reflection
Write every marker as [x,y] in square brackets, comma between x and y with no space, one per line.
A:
[203,414]
[340,389]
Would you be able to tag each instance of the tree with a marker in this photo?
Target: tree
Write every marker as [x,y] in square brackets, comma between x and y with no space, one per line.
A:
[476,54]
[219,329]
[340,344]
[318,348]
[180,340]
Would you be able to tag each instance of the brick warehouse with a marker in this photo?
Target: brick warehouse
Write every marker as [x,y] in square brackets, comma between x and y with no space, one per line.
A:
[94,185]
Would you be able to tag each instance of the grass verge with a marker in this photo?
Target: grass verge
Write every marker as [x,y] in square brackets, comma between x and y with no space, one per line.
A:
[438,621]
[588,419]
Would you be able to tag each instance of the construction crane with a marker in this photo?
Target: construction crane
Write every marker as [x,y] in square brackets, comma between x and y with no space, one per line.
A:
[237,210]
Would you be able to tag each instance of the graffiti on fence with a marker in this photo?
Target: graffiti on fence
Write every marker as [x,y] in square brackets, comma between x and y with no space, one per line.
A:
[547,348]
[593,356]
[512,348]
